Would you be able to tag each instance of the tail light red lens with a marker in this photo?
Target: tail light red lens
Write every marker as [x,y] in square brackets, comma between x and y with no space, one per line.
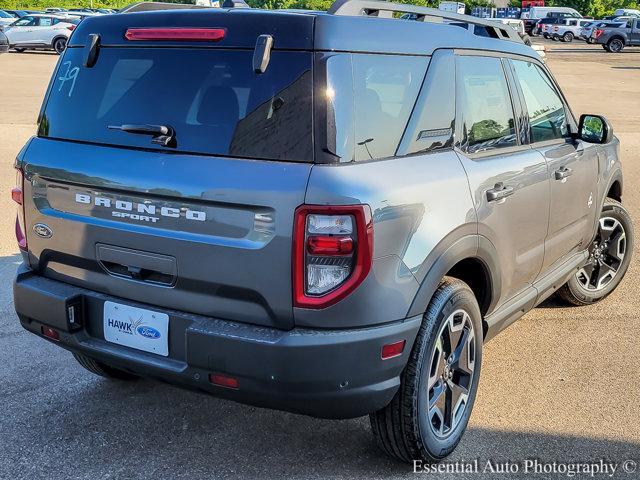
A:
[598,32]
[324,245]
[50,333]
[224,381]
[17,195]
[71,28]
[180,34]
[332,253]
[393,349]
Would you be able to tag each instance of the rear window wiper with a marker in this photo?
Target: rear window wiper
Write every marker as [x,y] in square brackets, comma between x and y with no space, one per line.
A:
[162,134]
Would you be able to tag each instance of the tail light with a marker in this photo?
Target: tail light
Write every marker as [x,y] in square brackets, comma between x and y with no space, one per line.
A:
[598,32]
[71,28]
[17,195]
[332,253]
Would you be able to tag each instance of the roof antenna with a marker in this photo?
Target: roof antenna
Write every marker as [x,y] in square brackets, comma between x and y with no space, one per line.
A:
[262,53]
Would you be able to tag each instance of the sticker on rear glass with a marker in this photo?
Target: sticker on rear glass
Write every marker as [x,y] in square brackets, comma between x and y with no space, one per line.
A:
[71,75]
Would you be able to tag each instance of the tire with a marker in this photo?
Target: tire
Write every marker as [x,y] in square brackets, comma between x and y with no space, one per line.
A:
[59,44]
[409,428]
[568,37]
[526,39]
[605,269]
[545,35]
[555,38]
[606,47]
[616,45]
[102,369]
[19,50]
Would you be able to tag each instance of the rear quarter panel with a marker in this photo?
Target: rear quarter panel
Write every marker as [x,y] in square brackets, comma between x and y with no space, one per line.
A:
[416,202]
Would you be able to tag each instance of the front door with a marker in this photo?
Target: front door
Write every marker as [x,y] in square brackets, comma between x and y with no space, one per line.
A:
[21,31]
[573,165]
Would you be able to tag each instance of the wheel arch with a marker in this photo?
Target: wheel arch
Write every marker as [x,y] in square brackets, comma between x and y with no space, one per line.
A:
[472,259]
[58,37]
[617,37]
[615,188]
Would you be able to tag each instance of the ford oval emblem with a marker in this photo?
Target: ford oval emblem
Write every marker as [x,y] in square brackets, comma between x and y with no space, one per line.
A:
[43,230]
[148,332]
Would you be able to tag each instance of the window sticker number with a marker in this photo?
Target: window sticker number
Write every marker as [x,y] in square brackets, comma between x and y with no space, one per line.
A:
[70,75]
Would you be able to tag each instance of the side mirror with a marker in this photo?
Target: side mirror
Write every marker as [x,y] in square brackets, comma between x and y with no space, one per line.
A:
[594,129]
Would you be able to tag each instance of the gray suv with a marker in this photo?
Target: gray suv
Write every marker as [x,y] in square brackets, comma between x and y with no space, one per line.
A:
[324,213]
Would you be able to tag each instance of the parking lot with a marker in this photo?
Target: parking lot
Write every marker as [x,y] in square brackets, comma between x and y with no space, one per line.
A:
[560,385]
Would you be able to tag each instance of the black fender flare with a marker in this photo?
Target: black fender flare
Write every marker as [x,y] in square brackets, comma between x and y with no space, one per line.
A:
[469,246]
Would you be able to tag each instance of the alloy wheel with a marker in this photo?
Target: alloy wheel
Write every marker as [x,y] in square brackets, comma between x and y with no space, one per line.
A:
[605,255]
[451,373]
[615,46]
[60,45]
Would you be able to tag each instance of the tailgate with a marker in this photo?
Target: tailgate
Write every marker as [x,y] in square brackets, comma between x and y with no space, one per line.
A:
[208,236]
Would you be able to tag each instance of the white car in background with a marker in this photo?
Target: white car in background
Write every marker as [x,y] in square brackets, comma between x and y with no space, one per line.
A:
[569,29]
[5,19]
[41,31]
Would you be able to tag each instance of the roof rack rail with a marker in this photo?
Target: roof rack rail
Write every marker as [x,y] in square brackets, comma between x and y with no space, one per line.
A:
[150,6]
[382,9]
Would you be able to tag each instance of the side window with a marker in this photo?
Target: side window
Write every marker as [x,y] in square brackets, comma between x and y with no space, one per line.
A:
[46,21]
[433,122]
[25,22]
[484,105]
[385,90]
[547,116]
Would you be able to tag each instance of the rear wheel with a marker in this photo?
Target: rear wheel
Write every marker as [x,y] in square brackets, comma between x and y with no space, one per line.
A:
[429,414]
[19,50]
[102,369]
[545,35]
[615,45]
[567,37]
[609,258]
[59,44]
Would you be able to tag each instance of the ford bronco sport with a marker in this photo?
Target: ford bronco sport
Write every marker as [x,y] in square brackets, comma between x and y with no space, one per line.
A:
[324,213]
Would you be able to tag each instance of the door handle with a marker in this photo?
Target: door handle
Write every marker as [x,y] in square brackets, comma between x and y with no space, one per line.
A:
[563,173]
[499,192]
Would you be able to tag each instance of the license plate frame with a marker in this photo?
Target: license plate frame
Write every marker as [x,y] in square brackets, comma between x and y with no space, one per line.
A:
[137,328]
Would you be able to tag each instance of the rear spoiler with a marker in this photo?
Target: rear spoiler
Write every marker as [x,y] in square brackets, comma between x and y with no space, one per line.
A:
[150,6]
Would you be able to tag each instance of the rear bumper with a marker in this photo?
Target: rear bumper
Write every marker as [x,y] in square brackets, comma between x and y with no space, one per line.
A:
[322,373]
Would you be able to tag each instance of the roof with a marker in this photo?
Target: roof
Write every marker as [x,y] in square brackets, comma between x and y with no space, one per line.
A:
[309,30]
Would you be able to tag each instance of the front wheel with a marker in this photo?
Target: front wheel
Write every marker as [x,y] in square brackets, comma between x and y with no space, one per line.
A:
[429,414]
[567,37]
[609,258]
[59,45]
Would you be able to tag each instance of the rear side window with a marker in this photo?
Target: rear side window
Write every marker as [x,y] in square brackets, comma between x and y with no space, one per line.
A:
[484,105]
[547,117]
[385,91]
[211,97]
[369,99]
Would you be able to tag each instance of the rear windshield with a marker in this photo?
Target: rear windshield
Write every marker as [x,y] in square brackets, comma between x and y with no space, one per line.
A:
[212,99]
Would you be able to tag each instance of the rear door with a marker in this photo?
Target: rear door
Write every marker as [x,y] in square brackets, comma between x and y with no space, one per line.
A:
[573,165]
[201,224]
[509,181]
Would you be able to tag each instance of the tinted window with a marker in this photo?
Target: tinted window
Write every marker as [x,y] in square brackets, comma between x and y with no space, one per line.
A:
[25,22]
[385,91]
[485,105]
[432,124]
[547,117]
[212,98]
[45,21]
